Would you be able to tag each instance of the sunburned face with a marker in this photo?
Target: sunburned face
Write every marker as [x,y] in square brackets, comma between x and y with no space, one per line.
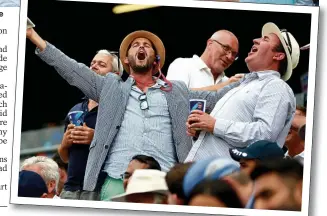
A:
[141,55]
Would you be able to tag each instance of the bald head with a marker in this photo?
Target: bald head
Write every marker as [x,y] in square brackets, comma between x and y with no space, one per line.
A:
[221,51]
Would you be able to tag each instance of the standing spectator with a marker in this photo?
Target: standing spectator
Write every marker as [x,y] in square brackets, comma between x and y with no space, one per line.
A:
[260,108]
[74,148]
[196,72]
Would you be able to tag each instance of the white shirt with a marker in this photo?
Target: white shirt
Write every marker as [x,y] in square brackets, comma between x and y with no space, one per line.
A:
[193,72]
[260,108]
[299,157]
[56,197]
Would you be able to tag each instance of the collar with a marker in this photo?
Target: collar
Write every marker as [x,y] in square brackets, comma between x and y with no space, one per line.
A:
[159,83]
[199,63]
[263,74]
[298,155]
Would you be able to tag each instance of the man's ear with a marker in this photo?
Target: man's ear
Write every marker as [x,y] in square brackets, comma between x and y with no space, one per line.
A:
[126,60]
[51,186]
[279,56]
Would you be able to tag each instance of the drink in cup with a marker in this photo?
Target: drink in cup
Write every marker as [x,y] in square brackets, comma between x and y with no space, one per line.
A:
[76,118]
[197,104]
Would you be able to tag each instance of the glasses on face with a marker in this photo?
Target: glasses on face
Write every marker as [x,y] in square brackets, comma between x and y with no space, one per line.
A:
[288,42]
[227,49]
[143,102]
[125,176]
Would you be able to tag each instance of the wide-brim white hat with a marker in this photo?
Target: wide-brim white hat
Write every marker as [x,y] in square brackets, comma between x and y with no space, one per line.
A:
[291,46]
[144,181]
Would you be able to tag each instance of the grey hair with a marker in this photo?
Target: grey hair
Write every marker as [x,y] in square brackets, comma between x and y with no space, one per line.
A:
[114,62]
[49,168]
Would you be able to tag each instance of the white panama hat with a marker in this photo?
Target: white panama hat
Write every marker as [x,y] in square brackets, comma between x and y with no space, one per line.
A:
[291,46]
[144,181]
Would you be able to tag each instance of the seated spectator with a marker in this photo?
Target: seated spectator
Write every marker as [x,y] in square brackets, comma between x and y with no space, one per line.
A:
[174,180]
[145,186]
[278,185]
[243,186]
[294,142]
[211,168]
[139,162]
[31,184]
[47,169]
[261,150]
[214,193]
[62,172]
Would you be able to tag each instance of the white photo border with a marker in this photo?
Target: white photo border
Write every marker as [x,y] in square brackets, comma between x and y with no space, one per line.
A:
[314,11]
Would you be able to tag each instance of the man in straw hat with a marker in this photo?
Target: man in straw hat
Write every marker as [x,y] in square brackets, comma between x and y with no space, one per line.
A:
[143,115]
[260,108]
[145,186]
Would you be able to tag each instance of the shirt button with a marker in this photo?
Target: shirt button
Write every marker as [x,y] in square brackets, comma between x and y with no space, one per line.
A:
[106,146]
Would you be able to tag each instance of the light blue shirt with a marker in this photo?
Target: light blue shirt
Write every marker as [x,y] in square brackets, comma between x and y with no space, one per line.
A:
[260,108]
[146,132]
[290,2]
[9,3]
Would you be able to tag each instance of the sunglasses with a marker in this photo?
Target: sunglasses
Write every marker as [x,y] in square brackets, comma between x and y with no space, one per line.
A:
[143,102]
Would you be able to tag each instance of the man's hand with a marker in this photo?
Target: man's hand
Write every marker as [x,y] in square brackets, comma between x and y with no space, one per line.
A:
[35,38]
[235,78]
[200,120]
[82,134]
[67,141]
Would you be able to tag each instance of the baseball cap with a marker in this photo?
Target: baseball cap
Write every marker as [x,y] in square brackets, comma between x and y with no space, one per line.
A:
[31,184]
[260,150]
[211,168]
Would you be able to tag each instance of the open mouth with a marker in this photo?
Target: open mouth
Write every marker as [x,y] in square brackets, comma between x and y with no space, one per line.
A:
[141,55]
[253,49]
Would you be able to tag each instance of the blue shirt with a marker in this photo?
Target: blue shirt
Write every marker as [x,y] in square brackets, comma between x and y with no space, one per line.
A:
[260,108]
[78,153]
[147,132]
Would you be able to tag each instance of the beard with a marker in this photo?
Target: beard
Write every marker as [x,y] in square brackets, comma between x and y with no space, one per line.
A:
[140,68]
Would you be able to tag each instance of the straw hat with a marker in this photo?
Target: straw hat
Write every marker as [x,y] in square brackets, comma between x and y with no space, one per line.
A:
[290,45]
[144,181]
[158,45]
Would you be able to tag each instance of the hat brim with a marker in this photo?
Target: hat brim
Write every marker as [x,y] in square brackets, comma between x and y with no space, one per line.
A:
[122,197]
[158,45]
[269,28]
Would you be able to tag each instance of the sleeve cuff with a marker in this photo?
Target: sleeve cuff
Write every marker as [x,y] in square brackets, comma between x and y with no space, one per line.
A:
[220,128]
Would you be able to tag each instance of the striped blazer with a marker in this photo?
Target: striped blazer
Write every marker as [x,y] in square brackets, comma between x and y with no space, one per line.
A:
[112,95]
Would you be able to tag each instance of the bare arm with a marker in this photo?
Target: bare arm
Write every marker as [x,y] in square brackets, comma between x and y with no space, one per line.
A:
[219,86]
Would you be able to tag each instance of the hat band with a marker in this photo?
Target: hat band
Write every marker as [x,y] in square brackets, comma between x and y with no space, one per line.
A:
[288,42]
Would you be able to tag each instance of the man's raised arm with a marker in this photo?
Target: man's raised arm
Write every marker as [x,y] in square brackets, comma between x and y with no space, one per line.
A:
[76,74]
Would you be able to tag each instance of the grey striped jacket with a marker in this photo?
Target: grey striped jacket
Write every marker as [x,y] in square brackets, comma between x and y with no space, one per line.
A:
[112,95]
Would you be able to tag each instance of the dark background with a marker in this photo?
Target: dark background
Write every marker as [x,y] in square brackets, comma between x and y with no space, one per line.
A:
[79,29]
